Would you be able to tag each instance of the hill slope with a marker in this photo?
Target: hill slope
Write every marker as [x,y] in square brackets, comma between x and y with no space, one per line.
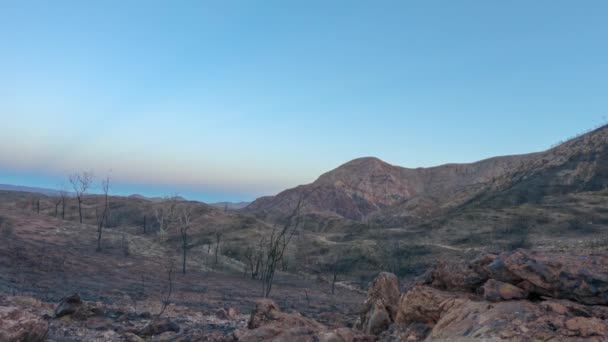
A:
[369,186]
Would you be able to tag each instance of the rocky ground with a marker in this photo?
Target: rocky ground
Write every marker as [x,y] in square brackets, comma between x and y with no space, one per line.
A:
[516,296]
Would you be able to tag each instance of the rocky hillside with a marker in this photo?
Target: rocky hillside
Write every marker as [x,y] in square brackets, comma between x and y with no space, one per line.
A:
[370,187]
[516,296]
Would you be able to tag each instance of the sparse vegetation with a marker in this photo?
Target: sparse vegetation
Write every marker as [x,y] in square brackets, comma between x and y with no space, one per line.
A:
[103,218]
[81,182]
[185,222]
[275,248]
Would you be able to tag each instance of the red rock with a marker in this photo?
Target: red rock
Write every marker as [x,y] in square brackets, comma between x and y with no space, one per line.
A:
[19,325]
[380,308]
[268,323]
[495,291]
[423,304]
[455,276]
[582,278]
[587,327]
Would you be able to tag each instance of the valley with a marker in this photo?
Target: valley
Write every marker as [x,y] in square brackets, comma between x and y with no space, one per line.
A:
[205,266]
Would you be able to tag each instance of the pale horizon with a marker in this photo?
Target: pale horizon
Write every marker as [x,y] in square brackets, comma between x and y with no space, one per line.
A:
[232,101]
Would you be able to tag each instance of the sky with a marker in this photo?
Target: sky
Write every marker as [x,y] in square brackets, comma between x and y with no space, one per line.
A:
[231,100]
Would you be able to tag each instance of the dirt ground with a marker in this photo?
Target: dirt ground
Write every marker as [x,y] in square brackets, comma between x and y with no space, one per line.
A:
[48,259]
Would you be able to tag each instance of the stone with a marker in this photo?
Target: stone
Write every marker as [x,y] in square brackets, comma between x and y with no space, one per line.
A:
[496,291]
[268,323]
[380,308]
[68,305]
[19,325]
[158,326]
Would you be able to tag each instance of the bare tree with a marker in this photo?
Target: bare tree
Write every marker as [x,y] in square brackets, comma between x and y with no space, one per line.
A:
[57,201]
[63,194]
[185,222]
[81,183]
[101,220]
[218,238]
[165,214]
[254,257]
[60,200]
[275,249]
[340,263]
[167,290]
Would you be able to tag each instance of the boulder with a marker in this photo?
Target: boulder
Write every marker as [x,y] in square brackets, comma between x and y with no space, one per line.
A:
[514,320]
[68,305]
[380,308]
[423,304]
[19,325]
[496,291]
[455,276]
[582,278]
[376,318]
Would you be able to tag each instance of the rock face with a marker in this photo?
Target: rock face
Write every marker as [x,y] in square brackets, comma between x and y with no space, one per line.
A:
[517,296]
[269,323]
[19,325]
[582,278]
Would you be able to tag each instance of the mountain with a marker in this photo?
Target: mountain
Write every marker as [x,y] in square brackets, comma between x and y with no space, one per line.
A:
[369,187]
[230,205]
[20,188]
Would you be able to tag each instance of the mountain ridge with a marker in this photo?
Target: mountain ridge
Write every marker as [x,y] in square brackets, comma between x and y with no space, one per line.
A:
[369,186]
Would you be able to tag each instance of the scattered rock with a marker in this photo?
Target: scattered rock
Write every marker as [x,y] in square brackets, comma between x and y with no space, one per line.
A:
[131,337]
[229,314]
[158,326]
[268,323]
[496,291]
[19,325]
[98,323]
[68,305]
[233,313]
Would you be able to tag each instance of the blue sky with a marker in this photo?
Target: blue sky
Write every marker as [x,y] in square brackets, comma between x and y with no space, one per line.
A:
[230,100]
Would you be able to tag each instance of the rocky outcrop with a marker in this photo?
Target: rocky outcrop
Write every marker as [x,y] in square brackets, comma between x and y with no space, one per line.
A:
[582,278]
[380,308]
[269,323]
[19,325]
[519,296]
